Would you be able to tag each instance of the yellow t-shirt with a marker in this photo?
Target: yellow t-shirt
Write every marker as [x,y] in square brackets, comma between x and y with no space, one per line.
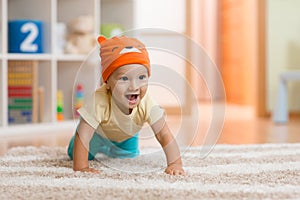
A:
[101,112]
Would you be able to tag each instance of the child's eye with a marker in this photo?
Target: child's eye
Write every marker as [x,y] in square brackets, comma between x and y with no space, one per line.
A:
[124,78]
[142,77]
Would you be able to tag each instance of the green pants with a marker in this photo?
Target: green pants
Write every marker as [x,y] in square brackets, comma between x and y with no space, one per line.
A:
[98,144]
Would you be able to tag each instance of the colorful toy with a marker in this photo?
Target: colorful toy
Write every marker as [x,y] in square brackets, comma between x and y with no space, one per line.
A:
[59,106]
[22,92]
[79,95]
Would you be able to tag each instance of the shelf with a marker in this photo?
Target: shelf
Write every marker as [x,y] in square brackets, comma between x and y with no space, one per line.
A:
[58,57]
[70,57]
[20,56]
[38,128]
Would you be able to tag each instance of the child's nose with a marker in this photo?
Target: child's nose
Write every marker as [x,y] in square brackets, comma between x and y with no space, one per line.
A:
[133,85]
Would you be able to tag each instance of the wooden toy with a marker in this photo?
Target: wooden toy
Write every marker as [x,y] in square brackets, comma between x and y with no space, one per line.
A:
[22,92]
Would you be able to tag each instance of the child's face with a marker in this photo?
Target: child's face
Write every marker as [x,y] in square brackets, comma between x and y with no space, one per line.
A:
[128,85]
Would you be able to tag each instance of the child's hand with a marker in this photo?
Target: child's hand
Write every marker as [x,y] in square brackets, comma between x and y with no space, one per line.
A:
[90,170]
[175,169]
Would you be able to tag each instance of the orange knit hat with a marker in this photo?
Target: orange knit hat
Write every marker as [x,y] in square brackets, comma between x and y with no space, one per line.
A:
[118,51]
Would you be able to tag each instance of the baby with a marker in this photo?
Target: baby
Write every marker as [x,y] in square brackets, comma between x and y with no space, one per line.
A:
[111,119]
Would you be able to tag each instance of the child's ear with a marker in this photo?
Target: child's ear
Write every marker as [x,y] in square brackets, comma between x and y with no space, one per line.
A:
[100,39]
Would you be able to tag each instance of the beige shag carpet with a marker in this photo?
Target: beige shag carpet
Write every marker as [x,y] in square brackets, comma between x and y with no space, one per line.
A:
[269,171]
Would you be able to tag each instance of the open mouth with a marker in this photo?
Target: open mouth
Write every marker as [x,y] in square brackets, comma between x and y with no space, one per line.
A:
[132,98]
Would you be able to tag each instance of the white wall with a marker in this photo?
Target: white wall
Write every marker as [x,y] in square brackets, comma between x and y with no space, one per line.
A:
[166,14]
[283,47]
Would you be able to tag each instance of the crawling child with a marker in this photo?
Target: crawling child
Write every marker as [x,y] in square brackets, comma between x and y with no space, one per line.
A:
[111,119]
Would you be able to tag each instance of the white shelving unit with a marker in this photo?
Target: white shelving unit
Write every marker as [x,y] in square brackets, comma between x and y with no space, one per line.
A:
[56,71]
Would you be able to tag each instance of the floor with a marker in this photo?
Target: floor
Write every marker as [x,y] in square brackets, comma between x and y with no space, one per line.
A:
[240,126]
[237,126]
[260,131]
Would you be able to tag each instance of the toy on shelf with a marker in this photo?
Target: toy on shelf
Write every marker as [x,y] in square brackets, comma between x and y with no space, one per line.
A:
[59,106]
[79,95]
[110,30]
[61,31]
[22,92]
[41,97]
[80,37]
[25,36]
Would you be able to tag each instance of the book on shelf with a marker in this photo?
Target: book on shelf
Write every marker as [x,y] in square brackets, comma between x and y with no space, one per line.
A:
[22,92]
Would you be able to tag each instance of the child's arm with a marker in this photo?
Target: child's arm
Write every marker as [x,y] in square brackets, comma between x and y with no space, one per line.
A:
[84,134]
[169,144]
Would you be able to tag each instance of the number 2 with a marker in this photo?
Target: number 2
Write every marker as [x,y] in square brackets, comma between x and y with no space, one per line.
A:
[27,45]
